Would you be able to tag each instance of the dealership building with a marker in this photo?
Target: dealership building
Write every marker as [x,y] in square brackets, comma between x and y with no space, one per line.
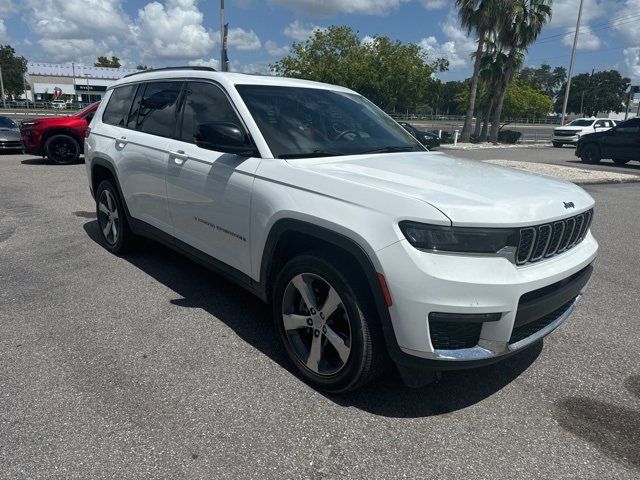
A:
[80,82]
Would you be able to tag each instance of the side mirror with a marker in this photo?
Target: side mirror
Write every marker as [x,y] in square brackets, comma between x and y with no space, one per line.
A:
[224,137]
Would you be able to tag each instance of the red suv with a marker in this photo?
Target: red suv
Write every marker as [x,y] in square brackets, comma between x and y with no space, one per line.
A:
[61,139]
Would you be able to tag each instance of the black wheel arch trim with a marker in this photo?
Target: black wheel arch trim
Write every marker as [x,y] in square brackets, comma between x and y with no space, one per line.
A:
[289,225]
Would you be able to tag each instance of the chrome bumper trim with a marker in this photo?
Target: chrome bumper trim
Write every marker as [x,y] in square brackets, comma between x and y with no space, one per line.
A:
[488,349]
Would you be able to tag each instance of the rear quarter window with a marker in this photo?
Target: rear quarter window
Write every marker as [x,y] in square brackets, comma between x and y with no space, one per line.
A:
[117,109]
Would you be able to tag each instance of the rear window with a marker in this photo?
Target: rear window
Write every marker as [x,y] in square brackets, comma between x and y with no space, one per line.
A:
[118,107]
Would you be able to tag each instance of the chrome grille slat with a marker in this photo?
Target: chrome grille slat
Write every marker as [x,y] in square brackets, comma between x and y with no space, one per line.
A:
[551,239]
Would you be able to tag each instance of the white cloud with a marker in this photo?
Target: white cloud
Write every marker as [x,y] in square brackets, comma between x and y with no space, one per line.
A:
[632,63]
[4,35]
[273,49]
[368,40]
[173,30]
[299,31]
[629,26]
[73,49]
[243,40]
[259,68]
[76,19]
[200,62]
[434,4]
[457,49]
[587,40]
[565,12]
[333,7]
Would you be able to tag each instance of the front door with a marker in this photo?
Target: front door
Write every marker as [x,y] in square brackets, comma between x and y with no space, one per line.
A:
[623,141]
[209,192]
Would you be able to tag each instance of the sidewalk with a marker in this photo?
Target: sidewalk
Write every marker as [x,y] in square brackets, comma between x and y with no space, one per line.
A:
[484,146]
[577,175]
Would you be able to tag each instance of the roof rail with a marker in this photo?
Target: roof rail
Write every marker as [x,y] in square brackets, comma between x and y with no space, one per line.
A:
[164,69]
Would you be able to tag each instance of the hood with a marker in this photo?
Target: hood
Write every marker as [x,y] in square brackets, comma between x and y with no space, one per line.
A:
[9,134]
[570,127]
[48,120]
[469,192]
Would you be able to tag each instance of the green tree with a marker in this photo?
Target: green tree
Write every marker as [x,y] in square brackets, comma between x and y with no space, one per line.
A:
[525,101]
[394,75]
[520,29]
[544,79]
[143,67]
[113,62]
[481,16]
[13,71]
[598,92]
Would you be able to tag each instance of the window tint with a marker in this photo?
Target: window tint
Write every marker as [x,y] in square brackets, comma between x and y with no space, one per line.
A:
[630,127]
[135,107]
[204,103]
[157,110]
[118,106]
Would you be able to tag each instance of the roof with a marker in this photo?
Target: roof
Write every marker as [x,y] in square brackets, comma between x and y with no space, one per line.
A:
[68,70]
[229,78]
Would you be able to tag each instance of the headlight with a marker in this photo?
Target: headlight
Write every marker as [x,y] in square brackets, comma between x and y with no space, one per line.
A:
[29,123]
[459,239]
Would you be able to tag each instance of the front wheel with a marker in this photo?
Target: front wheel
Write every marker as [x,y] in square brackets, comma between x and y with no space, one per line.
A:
[328,329]
[590,154]
[62,149]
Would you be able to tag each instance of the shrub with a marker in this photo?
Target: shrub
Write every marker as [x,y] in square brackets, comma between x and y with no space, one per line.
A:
[509,136]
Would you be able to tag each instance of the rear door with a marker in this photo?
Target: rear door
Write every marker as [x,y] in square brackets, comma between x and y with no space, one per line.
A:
[143,151]
[209,191]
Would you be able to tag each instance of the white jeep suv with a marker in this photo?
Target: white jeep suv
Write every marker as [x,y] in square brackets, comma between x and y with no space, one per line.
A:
[367,246]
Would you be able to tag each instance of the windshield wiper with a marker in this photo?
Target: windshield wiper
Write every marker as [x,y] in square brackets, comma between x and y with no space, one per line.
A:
[390,149]
[315,153]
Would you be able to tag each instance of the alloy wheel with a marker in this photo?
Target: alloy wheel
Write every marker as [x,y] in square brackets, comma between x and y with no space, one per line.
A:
[64,150]
[108,217]
[316,324]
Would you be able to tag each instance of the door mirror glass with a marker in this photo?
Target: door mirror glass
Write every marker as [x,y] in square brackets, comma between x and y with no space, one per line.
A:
[222,137]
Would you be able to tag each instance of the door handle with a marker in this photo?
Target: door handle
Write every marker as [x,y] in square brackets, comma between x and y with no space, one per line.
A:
[179,156]
[121,142]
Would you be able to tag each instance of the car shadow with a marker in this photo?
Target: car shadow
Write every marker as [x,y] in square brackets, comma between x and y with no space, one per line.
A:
[250,319]
[46,161]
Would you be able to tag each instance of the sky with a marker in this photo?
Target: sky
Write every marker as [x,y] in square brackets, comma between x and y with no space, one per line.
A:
[180,32]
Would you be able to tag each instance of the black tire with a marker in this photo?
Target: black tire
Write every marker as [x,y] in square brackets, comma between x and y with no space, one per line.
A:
[590,154]
[120,239]
[367,355]
[557,145]
[62,149]
[621,161]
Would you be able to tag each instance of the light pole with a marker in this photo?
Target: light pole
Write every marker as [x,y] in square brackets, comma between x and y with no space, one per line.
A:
[4,101]
[88,96]
[573,55]
[222,60]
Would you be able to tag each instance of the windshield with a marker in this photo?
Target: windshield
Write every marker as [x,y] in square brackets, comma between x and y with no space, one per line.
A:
[7,123]
[581,123]
[310,122]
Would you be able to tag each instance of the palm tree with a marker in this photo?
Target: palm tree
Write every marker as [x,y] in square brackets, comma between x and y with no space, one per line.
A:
[521,27]
[491,73]
[482,16]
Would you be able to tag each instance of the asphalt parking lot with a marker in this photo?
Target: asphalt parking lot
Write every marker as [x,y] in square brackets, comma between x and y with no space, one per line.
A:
[149,366]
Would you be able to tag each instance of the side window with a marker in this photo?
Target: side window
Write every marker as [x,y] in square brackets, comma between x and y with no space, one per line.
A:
[599,124]
[118,107]
[135,107]
[204,104]
[157,109]
[630,127]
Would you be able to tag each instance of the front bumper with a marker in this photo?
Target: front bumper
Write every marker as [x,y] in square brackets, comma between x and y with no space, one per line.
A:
[422,283]
[566,139]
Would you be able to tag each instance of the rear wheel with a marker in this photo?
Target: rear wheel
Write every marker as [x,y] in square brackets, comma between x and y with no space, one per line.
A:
[329,330]
[115,233]
[621,161]
[590,154]
[62,149]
